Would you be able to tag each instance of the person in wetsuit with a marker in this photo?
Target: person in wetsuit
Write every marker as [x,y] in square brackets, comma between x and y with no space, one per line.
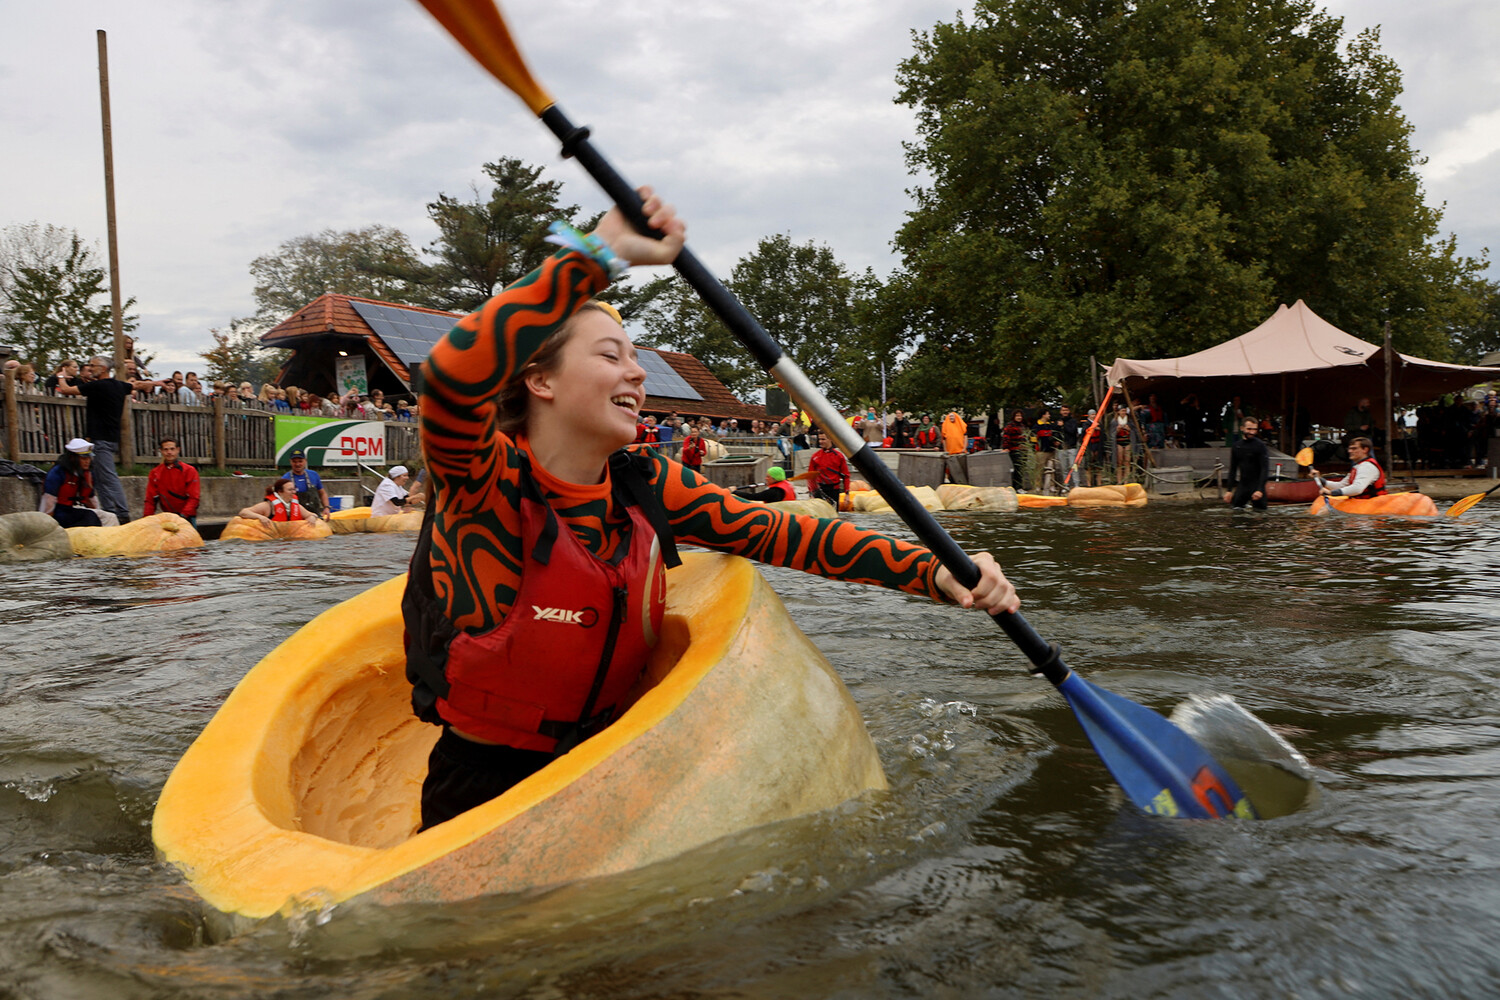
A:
[1249,468]
[538,584]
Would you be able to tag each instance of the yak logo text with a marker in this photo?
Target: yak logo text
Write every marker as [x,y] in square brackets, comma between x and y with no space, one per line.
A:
[586,617]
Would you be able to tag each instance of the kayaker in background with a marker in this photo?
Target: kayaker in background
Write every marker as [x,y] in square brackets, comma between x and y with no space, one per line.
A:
[390,495]
[827,471]
[68,491]
[173,484]
[1249,468]
[777,489]
[280,504]
[538,582]
[1366,479]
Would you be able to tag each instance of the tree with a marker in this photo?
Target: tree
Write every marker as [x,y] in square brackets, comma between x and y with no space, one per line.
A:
[351,262]
[49,284]
[237,355]
[807,301]
[487,242]
[1145,178]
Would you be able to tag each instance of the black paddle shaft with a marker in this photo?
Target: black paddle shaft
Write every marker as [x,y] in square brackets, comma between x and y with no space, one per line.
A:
[1044,656]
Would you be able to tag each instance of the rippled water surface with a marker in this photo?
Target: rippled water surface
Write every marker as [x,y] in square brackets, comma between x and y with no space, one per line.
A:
[1002,862]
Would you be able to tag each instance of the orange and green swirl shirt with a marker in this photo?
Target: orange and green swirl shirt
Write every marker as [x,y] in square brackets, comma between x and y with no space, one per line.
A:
[475,469]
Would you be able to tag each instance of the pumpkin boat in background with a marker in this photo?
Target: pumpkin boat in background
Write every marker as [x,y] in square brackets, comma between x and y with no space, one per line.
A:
[1390,504]
[250,529]
[306,784]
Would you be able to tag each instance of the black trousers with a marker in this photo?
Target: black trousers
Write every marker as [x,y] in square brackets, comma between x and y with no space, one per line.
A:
[462,774]
[1241,497]
[829,492]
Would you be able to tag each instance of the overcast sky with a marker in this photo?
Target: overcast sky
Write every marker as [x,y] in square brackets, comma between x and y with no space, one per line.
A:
[240,125]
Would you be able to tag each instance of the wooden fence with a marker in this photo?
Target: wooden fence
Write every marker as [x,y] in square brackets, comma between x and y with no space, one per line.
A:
[35,428]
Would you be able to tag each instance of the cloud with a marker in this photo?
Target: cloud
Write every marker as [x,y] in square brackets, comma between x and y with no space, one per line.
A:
[239,126]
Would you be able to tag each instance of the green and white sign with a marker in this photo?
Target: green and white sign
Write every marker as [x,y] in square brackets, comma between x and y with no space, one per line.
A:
[330,441]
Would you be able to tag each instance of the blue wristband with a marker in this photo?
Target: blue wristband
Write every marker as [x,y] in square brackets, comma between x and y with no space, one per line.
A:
[590,246]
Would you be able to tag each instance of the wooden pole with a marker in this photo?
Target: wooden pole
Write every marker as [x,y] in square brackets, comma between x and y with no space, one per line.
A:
[1390,405]
[220,451]
[12,418]
[1281,439]
[127,430]
[1130,409]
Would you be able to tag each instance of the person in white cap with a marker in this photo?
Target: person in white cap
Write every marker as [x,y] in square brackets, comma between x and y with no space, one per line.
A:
[68,491]
[390,495]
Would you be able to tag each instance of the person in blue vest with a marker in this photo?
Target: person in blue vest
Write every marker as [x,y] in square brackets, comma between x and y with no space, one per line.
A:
[309,485]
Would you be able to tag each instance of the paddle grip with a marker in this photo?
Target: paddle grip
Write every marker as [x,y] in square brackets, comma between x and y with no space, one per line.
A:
[575,143]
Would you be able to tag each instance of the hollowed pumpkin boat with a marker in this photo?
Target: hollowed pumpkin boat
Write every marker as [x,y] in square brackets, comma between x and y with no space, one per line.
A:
[1389,504]
[306,784]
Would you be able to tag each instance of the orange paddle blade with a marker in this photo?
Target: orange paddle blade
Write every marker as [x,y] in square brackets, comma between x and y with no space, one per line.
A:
[479,28]
[1305,456]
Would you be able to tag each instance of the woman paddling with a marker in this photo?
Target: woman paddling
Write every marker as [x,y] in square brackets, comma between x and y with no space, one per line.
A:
[280,504]
[538,581]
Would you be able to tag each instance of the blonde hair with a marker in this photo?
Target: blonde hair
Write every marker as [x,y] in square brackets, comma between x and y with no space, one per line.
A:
[515,397]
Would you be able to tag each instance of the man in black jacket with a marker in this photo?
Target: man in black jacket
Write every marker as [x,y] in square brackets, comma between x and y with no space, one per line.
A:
[1249,468]
[105,397]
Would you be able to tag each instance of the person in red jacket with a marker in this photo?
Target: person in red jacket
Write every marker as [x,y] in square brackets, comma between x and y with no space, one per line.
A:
[829,471]
[693,449]
[173,485]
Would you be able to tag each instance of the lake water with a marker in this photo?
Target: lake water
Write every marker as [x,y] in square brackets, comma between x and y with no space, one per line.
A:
[1002,863]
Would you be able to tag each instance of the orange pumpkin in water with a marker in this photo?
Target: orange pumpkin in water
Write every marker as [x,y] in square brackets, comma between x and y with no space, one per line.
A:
[1125,495]
[1391,504]
[250,529]
[1037,500]
[157,533]
[305,788]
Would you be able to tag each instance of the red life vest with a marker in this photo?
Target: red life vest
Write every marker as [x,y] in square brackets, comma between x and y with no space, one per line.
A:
[76,490]
[1375,489]
[788,493]
[280,511]
[575,640]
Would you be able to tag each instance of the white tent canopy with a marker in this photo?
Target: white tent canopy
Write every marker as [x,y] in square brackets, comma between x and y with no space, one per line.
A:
[1295,360]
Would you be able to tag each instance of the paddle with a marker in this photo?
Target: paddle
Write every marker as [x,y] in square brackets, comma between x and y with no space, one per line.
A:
[1161,769]
[1470,501]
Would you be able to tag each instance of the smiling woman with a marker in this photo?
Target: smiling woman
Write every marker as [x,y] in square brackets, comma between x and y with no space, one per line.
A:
[537,584]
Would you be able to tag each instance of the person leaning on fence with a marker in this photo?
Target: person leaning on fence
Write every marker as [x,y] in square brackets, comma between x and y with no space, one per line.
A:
[105,398]
[173,484]
[68,491]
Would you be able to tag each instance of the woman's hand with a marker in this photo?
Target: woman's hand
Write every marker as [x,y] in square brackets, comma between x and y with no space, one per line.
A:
[992,595]
[640,250]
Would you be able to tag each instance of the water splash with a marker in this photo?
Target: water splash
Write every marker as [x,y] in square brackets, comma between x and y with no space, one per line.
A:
[1277,779]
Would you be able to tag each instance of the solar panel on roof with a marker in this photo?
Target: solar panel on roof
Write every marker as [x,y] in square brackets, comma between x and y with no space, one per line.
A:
[411,335]
[408,333]
[663,380]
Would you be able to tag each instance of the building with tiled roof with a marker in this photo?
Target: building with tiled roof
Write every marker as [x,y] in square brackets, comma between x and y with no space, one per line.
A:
[393,339]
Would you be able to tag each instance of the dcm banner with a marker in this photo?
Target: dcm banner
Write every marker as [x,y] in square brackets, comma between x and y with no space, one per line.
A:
[330,441]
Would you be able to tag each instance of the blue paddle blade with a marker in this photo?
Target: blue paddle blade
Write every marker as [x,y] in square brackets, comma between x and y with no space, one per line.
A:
[1160,767]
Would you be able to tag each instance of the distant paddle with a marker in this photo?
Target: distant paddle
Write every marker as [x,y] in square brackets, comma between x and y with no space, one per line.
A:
[1470,501]
[1160,767]
[1305,456]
